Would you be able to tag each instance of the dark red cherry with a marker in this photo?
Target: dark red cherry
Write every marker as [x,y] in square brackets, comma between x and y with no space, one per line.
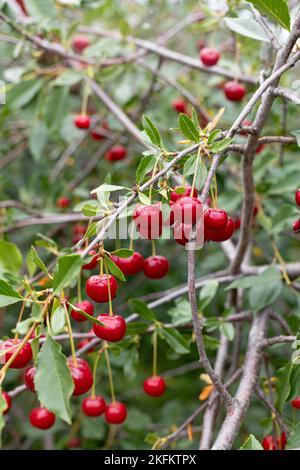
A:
[86,306]
[156,267]
[269,443]
[296,403]
[116,153]
[115,413]
[220,235]
[63,202]
[297,197]
[234,91]
[148,220]
[73,443]
[8,402]
[41,418]
[82,121]
[29,378]
[93,263]
[131,265]
[82,376]
[188,190]
[296,226]
[114,328]
[260,148]
[23,357]
[237,223]
[180,106]
[155,386]
[97,287]
[187,210]
[99,134]
[93,406]
[209,56]
[215,219]
[80,43]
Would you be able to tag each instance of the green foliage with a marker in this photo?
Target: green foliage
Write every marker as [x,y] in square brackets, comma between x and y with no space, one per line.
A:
[67,269]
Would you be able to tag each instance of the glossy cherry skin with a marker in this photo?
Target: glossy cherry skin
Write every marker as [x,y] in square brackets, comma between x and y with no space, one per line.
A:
[115,413]
[131,265]
[98,134]
[187,210]
[97,287]
[269,443]
[179,106]
[63,202]
[93,263]
[82,121]
[80,43]
[296,403]
[297,197]
[82,376]
[188,190]
[209,56]
[155,386]
[41,418]
[148,220]
[296,226]
[114,329]
[93,406]
[220,235]
[215,219]
[234,91]
[23,357]
[29,378]
[86,306]
[156,267]
[116,153]
[8,402]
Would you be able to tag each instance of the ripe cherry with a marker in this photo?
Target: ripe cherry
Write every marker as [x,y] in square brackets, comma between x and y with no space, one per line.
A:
[220,235]
[234,91]
[209,56]
[73,443]
[215,219]
[98,134]
[131,265]
[79,229]
[182,233]
[116,153]
[86,306]
[63,202]
[115,413]
[187,210]
[8,402]
[41,418]
[114,328]
[80,43]
[93,406]
[180,106]
[82,121]
[260,148]
[23,357]
[237,223]
[269,443]
[29,378]
[82,376]
[93,263]
[296,226]
[148,220]
[296,403]
[156,267]
[297,197]
[188,191]
[155,386]
[22,6]
[97,287]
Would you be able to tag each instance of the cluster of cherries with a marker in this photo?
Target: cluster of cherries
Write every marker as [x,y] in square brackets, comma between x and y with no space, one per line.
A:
[296,224]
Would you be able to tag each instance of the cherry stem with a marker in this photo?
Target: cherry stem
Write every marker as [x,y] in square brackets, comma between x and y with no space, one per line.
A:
[154,339]
[70,333]
[131,243]
[20,317]
[110,376]
[85,100]
[282,263]
[153,248]
[196,171]
[110,311]
[79,297]
[96,363]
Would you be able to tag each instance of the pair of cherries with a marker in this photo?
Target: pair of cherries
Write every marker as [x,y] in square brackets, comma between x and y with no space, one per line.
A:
[115,412]
[269,443]
[296,224]
[154,267]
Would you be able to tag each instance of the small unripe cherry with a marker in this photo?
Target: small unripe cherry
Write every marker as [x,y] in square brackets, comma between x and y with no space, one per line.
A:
[209,56]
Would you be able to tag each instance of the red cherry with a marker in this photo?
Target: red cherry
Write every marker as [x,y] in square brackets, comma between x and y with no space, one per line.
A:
[209,56]
[234,91]
[156,267]
[23,356]
[296,226]
[93,263]
[180,106]
[116,153]
[86,306]
[260,148]
[269,443]
[297,197]
[220,235]
[41,418]
[79,229]
[296,403]
[215,219]
[98,134]
[237,223]
[82,121]
[155,386]
[80,43]
[81,375]
[187,210]
[93,406]
[29,378]
[97,287]
[131,265]
[255,211]
[148,220]
[73,443]
[8,402]
[188,190]
[63,202]
[114,329]
[115,413]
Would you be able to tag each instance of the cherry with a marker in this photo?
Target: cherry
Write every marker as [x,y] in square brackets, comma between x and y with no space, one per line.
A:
[98,134]
[115,413]
[86,306]
[188,191]
[237,223]
[215,219]
[8,402]
[82,121]
[155,386]
[114,328]
[131,265]
[29,378]
[296,403]
[296,226]
[22,6]
[156,267]
[148,220]
[80,43]
[116,153]
[255,211]
[81,375]
[234,91]
[180,106]
[260,148]
[41,418]
[297,197]
[93,406]
[79,229]
[220,235]
[269,443]
[97,287]
[73,443]
[63,202]
[23,356]
[187,210]
[93,263]
[209,56]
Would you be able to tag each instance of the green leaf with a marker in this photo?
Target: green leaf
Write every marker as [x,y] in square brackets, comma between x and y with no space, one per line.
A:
[276,9]
[10,257]
[221,145]
[140,307]
[152,131]
[267,291]
[282,218]
[8,295]
[37,260]
[67,269]
[181,314]
[175,340]
[207,293]
[53,380]
[40,10]
[268,275]
[23,93]
[131,363]
[136,328]
[109,188]
[247,27]
[68,78]
[123,253]
[145,166]
[144,199]
[114,269]
[37,140]
[188,128]
[227,329]
[86,315]
[213,136]
[251,444]
[58,320]
[283,386]
[293,441]
[297,135]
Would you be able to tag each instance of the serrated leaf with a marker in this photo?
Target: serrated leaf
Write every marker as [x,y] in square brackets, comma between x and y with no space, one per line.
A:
[67,269]
[114,269]
[175,340]
[10,257]
[152,131]
[207,293]
[37,260]
[8,295]
[136,328]
[227,329]
[276,9]
[220,146]
[145,166]
[140,307]
[108,188]
[247,27]
[123,253]
[188,128]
